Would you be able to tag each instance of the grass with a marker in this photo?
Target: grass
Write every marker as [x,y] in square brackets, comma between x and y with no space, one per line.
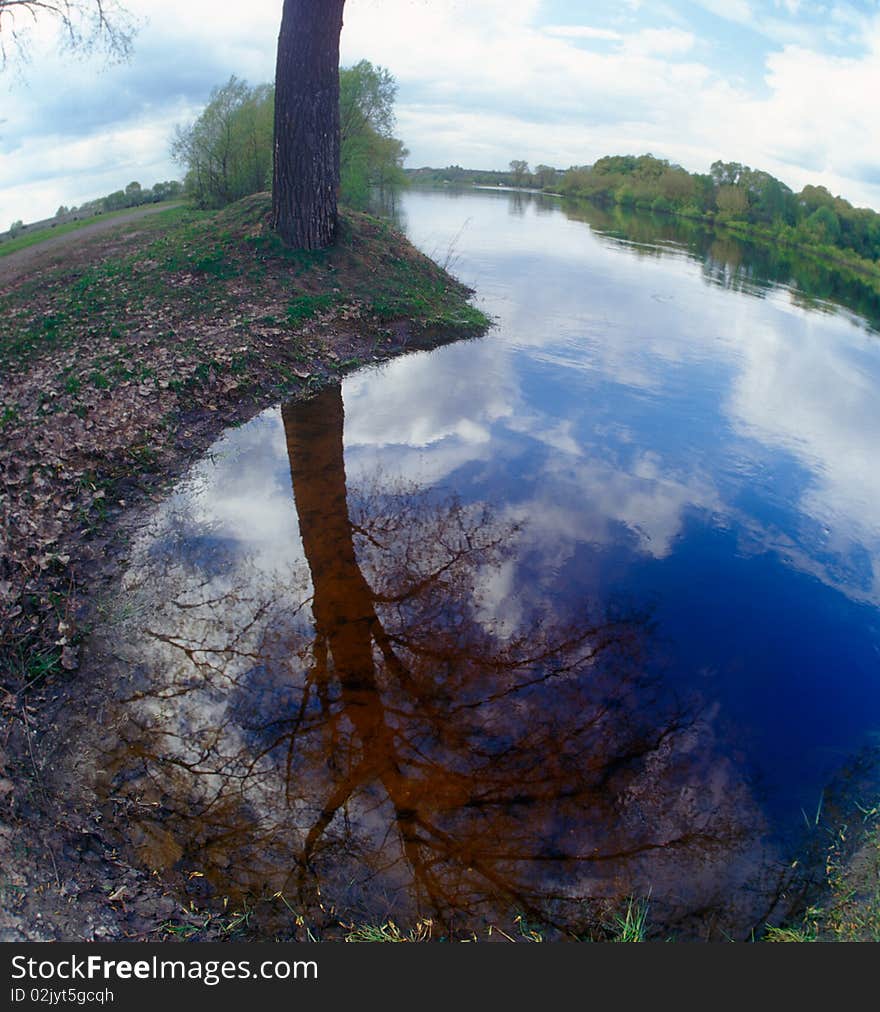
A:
[392,290]
[306,307]
[390,932]
[186,264]
[100,299]
[848,909]
[631,924]
[20,242]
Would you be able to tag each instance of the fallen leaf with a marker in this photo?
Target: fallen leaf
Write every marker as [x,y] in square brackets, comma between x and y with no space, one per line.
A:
[69,658]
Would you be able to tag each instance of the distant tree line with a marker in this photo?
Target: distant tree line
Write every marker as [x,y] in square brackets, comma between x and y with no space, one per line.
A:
[227,151]
[730,193]
[544,177]
[132,196]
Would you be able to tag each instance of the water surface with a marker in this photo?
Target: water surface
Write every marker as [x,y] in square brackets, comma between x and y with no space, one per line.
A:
[582,610]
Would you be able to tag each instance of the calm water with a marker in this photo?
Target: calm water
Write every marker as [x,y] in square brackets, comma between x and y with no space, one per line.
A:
[582,610]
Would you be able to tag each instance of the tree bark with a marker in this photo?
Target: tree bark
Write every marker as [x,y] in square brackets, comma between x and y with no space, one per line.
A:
[306,161]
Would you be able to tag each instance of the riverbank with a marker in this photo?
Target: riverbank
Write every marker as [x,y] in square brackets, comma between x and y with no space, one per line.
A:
[123,356]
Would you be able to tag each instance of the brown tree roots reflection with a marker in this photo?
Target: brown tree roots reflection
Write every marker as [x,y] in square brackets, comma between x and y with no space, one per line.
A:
[368,735]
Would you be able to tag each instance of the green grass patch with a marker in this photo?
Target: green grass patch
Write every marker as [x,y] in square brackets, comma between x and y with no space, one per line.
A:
[630,925]
[268,246]
[394,286]
[433,304]
[305,307]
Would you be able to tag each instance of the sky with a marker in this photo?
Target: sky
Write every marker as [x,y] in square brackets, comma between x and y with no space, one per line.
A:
[786,86]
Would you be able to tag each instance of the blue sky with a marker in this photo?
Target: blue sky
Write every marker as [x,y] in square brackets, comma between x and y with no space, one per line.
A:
[783,85]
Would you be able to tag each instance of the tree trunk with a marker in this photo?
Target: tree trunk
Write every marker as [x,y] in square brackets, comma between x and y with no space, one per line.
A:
[342,605]
[306,170]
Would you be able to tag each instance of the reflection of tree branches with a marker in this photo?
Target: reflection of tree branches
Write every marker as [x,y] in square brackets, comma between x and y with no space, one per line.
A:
[411,744]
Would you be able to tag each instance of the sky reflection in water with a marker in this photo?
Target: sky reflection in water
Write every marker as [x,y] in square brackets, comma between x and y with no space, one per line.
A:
[587,608]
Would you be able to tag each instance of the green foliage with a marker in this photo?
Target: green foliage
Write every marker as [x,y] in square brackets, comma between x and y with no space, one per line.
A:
[637,181]
[824,225]
[520,171]
[227,151]
[732,201]
[167,190]
[812,198]
[741,197]
[115,201]
[544,177]
[371,157]
[134,195]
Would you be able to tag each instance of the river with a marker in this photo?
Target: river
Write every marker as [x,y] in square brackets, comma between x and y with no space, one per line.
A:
[518,631]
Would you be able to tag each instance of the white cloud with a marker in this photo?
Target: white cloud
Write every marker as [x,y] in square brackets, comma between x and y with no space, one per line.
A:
[810,127]
[660,42]
[582,32]
[811,393]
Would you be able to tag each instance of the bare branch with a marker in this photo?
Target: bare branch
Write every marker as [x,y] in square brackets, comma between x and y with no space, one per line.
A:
[83,26]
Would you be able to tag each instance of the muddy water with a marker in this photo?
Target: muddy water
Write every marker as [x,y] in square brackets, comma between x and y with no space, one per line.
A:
[527,626]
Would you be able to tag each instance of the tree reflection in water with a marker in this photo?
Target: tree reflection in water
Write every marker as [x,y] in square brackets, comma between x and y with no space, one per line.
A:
[415,750]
